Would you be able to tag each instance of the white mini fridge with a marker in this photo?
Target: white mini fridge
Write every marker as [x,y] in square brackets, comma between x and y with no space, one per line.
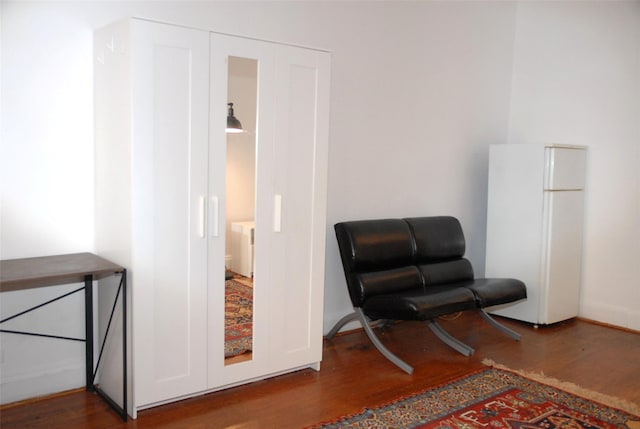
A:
[535,214]
[242,243]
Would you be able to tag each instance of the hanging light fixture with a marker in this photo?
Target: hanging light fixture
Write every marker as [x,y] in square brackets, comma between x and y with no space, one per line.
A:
[233,124]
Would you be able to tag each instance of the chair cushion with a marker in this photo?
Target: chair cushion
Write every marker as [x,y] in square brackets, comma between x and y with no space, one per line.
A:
[497,291]
[364,285]
[419,304]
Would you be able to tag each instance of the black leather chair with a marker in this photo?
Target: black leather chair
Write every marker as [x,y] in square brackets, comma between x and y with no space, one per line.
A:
[413,269]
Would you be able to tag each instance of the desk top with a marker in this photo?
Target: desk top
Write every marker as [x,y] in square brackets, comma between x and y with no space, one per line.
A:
[27,273]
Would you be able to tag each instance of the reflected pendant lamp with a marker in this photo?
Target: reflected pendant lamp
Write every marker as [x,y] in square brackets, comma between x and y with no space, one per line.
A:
[233,124]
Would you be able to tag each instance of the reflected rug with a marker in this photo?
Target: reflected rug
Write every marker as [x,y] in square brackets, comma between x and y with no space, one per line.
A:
[489,399]
[238,317]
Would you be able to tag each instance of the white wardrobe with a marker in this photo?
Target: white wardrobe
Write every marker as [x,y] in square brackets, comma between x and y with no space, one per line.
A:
[160,111]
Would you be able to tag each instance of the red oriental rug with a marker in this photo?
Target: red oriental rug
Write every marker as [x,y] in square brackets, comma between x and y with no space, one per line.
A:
[492,399]
[238,323]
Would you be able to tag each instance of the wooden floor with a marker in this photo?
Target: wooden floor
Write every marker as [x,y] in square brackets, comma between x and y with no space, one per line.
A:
[355,375]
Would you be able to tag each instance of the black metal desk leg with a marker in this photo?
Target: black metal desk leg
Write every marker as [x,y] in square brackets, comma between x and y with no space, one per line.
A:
[124,345]
[88,324]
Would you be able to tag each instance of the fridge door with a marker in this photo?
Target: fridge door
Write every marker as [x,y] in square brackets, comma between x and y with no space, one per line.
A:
[564,168]
[562,255]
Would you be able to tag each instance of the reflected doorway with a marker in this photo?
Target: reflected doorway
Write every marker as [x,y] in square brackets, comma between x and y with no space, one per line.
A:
[242,90]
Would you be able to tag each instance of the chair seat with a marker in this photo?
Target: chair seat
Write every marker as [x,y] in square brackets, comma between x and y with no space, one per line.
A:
[495,291]
[420,304]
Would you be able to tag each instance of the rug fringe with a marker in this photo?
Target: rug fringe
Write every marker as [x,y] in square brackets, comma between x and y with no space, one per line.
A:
[611,401]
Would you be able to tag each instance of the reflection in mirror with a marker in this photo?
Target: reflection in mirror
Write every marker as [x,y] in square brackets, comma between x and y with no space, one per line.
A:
[242,91]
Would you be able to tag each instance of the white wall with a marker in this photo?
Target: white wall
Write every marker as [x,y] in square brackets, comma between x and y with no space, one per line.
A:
[576,80]
[419,90]
[46,177]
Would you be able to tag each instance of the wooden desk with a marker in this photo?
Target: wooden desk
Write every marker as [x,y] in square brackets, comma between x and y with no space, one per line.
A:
[29,273]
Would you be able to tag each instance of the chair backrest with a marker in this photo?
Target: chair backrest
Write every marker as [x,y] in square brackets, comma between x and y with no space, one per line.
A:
[377,257]
[384,256]
[440,247]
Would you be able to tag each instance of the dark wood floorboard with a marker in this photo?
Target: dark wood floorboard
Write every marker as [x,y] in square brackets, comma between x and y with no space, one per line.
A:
[355,375]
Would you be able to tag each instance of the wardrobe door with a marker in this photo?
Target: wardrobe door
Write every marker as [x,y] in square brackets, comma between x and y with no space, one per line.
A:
[290,207]
[170,86]
[297,237]
[225,49]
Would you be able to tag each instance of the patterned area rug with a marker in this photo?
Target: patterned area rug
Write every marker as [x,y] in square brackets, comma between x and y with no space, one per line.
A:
[238,317]
[490,399]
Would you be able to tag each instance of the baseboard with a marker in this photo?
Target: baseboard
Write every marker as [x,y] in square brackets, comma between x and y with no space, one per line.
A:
[40,383]
[611,315]
[42,398]
[608,325]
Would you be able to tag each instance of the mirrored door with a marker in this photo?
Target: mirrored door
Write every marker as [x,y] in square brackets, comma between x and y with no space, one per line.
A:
[242,96]
[241,75]
[286,133]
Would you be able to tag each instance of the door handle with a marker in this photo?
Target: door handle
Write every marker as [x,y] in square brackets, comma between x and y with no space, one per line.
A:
[201,219]
[214,210]
[277,213]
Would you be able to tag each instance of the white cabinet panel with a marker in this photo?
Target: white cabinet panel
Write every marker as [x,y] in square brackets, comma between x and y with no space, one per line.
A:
[300,154]
[167,85]
[514,221]
[563,255]
[565,168]
[170,85]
